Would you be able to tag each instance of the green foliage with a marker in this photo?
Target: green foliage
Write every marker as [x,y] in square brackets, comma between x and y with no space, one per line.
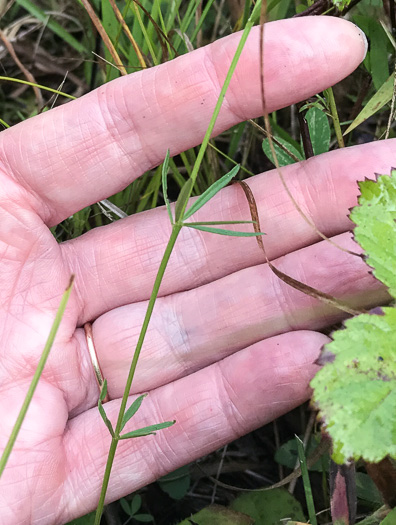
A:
[287,455]
[286,153]
[306,482]
[356,389]
[375,227]
[176,483]
[132,410]
[269,508]
[88,519]
[131,508]
[216,514]
[377,101]
[390,518]
[376,60]
[319,130]
[211,191]
[341,4]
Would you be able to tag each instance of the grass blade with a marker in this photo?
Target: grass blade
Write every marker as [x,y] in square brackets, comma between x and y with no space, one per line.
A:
[211,191]
[381,97]
[306,481]
[147,431]
[36,376]
[165,168]
[19,81]
[56,28]
[132,410]
[220,231]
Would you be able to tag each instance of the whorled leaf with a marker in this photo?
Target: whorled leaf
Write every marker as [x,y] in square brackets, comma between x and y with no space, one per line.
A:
[355,391]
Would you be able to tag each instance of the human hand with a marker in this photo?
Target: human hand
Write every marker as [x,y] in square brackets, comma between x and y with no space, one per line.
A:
[229,347]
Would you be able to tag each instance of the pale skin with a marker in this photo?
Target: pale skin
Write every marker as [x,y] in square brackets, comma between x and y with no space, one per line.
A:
[230,347]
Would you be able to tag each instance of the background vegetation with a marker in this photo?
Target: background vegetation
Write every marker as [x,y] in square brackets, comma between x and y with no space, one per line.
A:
[58,44]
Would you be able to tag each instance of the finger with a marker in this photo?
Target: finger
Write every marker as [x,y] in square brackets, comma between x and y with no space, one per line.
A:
[211,407]
[89,149]
[193,329]
[125,256]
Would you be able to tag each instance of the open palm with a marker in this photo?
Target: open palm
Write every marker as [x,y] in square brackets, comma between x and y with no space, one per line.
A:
[229,347]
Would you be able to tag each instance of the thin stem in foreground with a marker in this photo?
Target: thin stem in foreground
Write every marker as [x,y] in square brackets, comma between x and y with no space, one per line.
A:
[36,376]
[334,114]
[154,294]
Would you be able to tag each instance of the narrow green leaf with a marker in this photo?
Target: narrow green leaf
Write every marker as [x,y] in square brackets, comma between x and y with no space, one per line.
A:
[165,167]
[107,422]
[211,191]
[27,83]
[56,28]
[182,199]
[306,482]
[382,97]
[103,391]
[220,231]
[215,223]
[132,410]
[147,431]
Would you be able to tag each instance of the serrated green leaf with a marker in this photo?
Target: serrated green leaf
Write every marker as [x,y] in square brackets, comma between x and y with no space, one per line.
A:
[147,431]
[165,167]
[382,97]
[182,199]
[376,228]
[290,156]
[319,130]
[211,191]
[132,410]
[355,391]
[220,231]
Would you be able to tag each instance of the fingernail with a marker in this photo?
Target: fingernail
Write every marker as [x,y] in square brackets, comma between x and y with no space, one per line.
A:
[364,38]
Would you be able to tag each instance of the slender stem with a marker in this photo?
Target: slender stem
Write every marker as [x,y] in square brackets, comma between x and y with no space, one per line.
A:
[36,377]
[216,111]
[106,479]
[157,283]
[172,240]
[334,113]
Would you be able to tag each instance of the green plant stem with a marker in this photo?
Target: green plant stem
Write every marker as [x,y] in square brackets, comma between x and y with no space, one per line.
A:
[20,81]
[334,114]
[306,482]
[172,240]
[255,14]
[114,442]
[36,376]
